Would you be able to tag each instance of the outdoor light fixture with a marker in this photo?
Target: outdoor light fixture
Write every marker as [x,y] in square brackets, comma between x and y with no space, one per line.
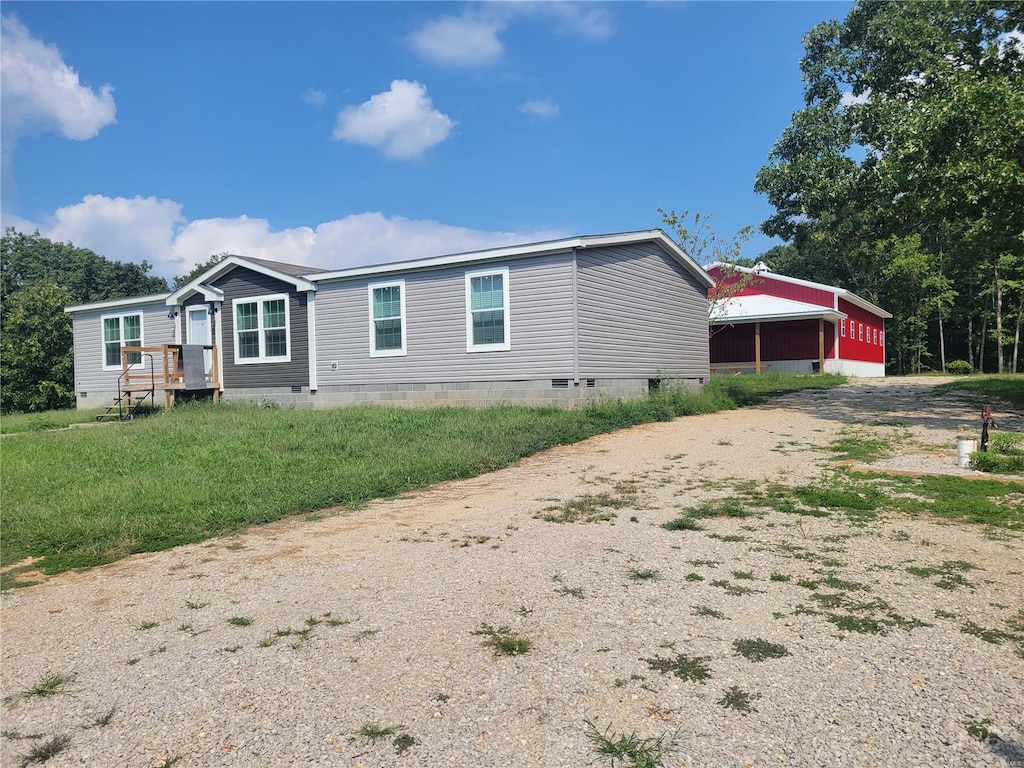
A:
[172,314]
[214,309]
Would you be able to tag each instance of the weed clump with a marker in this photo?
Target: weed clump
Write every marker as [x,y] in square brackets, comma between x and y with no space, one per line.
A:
[684,667]
[631,750]
[503,641]
[759,650]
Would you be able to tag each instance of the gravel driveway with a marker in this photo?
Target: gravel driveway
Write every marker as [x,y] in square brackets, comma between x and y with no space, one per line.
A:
[359,638]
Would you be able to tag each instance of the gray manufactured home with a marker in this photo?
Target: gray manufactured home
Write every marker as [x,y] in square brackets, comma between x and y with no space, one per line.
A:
[553,322]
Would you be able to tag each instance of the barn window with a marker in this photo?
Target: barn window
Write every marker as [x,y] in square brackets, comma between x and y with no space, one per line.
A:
[261,330]
[860,331]
[842,327]
[387,318]
[874,334]
[487,317]
[121,331]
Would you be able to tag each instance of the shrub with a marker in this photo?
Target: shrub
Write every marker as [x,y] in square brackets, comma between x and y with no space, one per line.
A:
[959,368]
[1005,454]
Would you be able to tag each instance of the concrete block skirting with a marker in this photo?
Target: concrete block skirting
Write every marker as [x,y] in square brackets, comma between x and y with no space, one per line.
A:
[460,393]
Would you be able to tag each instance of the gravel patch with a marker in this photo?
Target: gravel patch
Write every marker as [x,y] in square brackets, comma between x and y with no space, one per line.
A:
[375,620]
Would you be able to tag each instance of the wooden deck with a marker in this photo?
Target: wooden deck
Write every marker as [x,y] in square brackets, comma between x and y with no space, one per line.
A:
[161,369]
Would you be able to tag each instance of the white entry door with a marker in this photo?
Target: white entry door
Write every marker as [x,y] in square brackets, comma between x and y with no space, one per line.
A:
[199,332]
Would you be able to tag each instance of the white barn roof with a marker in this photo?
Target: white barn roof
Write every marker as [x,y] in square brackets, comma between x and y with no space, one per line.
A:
[759,307]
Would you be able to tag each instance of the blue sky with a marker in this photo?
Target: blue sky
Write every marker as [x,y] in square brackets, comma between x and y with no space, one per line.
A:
[339,134]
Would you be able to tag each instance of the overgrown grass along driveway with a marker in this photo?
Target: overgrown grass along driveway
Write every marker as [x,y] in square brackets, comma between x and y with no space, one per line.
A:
[83,497]
[1008,387]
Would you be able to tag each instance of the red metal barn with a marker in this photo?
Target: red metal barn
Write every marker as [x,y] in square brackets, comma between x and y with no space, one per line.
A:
[781,323]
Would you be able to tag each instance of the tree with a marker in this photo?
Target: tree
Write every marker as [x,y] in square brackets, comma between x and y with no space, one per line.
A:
[38,278]
[913,125]
[704,246]
[36,360]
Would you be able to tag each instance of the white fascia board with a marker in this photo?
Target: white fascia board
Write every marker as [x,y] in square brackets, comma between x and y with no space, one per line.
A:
[864,304]
[669,245]
[209,292]
[520,251]
[827,314]
[118,303]
[301,284]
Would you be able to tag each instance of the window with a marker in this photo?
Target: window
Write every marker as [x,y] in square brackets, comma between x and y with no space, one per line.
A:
[842,327]
[874,334]
[121,331]
[860,331]
[387,318]
[487,326]
[261,330]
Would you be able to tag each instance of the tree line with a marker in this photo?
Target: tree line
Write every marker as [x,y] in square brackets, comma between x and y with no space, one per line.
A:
[38,278]
[902,177]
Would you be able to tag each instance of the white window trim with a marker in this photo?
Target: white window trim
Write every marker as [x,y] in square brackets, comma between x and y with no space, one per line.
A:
[103,343]
[507,344]
[258,300]
[843,332]
[374,352]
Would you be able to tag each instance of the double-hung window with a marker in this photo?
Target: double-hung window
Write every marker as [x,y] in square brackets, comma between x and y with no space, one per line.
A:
[387,318]
[121,331]
[842,327]
[262,330]
[487,316]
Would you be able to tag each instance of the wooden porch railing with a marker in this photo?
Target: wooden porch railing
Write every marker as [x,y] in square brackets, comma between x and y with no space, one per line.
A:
[167,372]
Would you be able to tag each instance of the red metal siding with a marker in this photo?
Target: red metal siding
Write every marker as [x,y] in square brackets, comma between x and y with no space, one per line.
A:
[767,285]
[786,340]
[853,347]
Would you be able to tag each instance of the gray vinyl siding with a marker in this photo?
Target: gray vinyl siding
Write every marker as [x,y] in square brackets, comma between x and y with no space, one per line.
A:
[640,314]
[87,325]
[540,327]
[243,283]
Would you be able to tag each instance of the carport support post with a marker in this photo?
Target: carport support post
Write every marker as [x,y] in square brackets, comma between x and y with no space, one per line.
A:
[757,348]
[821,345]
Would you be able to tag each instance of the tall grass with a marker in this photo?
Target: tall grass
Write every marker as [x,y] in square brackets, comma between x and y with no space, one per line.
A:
[78,498]
[1008,387]
[14,423]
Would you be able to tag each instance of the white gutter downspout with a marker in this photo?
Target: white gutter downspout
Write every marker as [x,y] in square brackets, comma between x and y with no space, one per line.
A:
[311,334]
[219,305]
[575,325]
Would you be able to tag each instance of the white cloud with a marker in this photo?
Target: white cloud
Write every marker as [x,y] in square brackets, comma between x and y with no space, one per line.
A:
[155,230]
[40,92]
[401,122]
[460,41]
[314,96]
[471,39]
[540,107]
[119,228]
[849,99]
[585,19]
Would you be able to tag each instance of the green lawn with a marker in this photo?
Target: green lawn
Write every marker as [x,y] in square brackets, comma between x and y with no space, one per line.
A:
[1008,387]
[82,497]
[14,423]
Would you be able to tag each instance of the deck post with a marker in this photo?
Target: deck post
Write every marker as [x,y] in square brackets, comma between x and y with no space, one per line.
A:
[757,348]
[821,345]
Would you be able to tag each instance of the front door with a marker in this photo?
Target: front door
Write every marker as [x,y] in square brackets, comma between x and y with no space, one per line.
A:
[199,332]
